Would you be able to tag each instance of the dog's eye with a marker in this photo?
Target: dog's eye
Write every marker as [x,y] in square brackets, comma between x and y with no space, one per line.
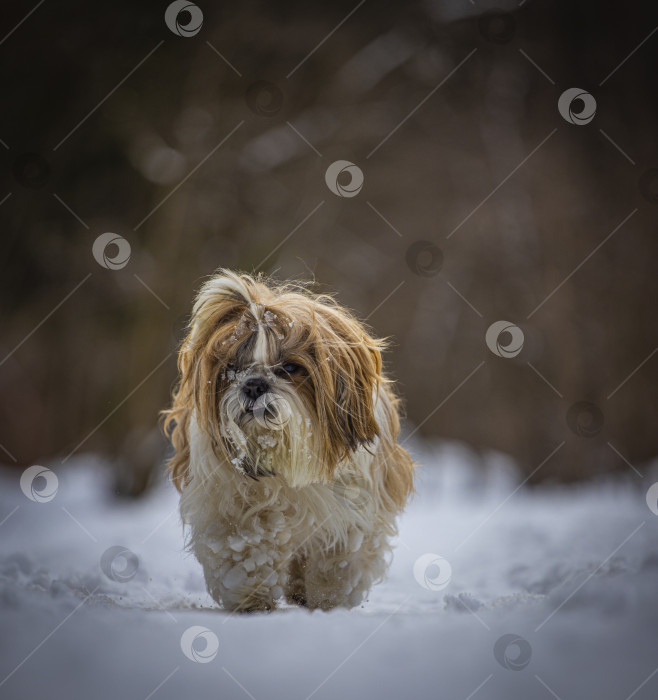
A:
[230,367]
[287,368]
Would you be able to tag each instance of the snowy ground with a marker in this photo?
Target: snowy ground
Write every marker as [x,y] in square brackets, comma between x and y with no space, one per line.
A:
[572,572]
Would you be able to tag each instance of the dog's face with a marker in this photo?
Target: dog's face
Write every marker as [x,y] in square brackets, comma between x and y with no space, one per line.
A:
[283,381]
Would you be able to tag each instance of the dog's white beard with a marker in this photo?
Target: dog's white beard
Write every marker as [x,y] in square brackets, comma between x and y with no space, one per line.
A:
[272,442]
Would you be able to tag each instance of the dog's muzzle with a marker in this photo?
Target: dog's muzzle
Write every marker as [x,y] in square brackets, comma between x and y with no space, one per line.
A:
[259,403]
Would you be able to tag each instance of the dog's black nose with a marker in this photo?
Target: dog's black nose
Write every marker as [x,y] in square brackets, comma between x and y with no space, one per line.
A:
[255,387]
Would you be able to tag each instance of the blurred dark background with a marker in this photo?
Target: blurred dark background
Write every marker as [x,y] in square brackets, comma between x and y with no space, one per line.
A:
[479,199]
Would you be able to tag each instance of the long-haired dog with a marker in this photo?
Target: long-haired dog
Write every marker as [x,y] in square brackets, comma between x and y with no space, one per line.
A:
[286,455]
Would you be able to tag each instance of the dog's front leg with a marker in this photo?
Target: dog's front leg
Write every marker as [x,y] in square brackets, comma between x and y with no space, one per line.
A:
[245,567]
[342,577]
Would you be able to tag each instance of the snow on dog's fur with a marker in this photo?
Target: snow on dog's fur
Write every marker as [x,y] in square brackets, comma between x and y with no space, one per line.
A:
[285,431]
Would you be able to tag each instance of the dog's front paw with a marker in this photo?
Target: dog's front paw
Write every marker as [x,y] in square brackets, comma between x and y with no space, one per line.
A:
[252,595]
[244,570]
[249,601]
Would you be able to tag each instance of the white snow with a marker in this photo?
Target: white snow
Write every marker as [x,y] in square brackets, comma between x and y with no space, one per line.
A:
[573,571]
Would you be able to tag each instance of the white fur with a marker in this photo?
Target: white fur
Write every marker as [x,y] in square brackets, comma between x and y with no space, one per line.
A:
[247,534]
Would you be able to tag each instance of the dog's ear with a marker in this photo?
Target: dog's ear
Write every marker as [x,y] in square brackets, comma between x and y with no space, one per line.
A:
[349,366]
[176,425]
[219,305]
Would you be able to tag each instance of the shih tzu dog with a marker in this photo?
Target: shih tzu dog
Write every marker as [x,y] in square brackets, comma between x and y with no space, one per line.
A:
[286,455]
